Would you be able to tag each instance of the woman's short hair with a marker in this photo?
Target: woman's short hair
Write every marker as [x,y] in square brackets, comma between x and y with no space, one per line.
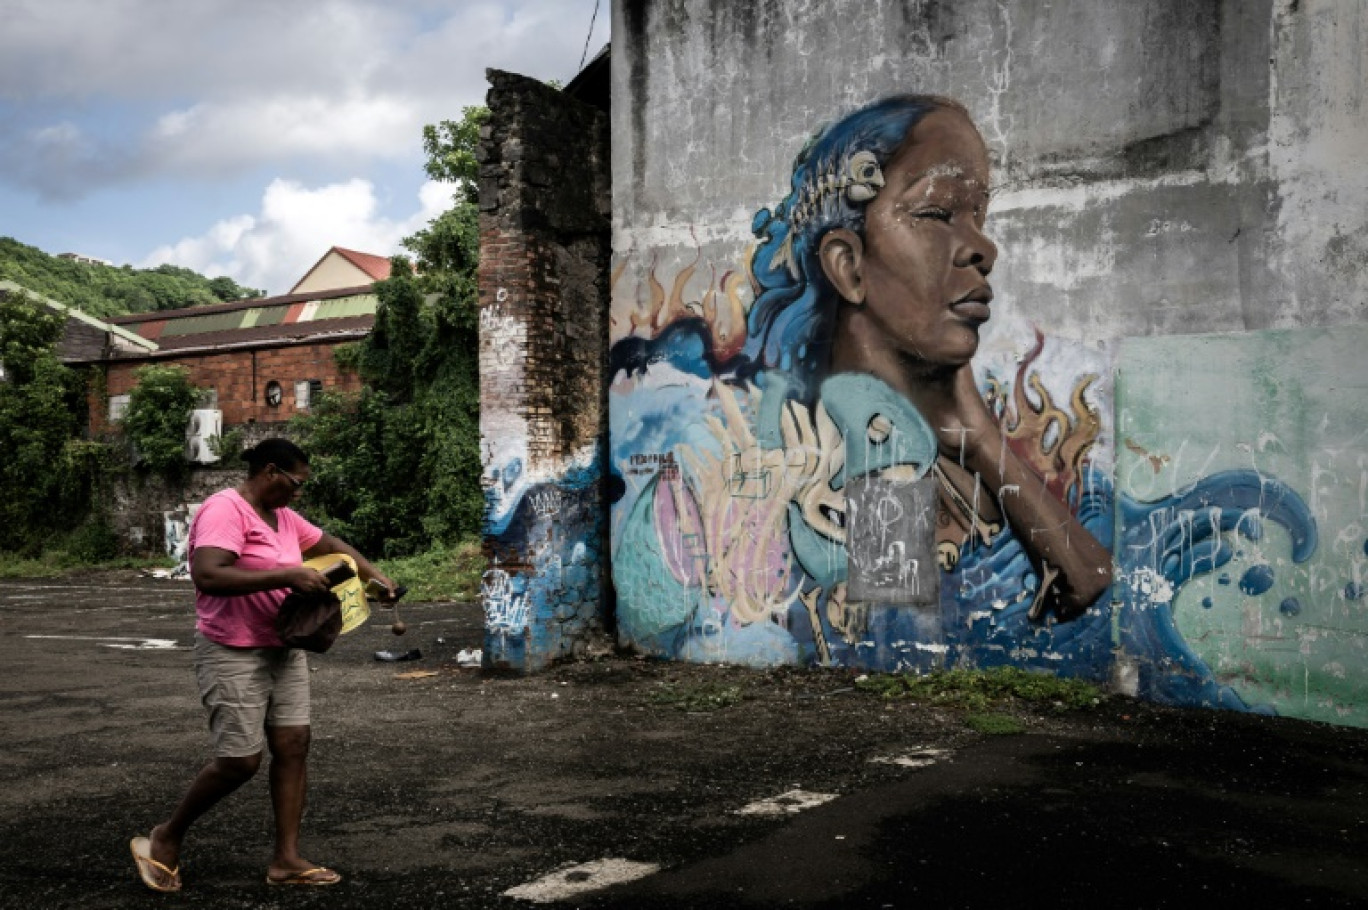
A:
[835,176]
[277,451]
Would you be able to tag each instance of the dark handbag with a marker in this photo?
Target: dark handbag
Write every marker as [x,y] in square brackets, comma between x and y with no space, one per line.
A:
[313,621]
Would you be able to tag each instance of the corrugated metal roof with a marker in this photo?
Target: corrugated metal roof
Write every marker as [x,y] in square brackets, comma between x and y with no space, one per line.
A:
[343,329]
[359,305]
[239,305]
[198,325]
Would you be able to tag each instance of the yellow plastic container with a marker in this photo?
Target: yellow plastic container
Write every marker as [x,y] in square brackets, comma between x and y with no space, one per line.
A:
[355,607]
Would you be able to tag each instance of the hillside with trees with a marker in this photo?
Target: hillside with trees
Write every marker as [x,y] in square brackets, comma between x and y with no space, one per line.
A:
[104,291]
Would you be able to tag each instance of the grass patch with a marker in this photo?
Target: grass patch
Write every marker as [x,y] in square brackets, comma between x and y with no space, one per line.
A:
[994,724]
[441,574]
[702,697]
[55,563]
[981,690]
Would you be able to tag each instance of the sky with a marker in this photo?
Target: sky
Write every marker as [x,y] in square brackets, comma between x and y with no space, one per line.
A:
[246,137]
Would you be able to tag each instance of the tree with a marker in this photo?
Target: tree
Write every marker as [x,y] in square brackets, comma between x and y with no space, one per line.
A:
[450,146]
[39,401]
[396,469]
[105,291]
[158,409]
[226,289]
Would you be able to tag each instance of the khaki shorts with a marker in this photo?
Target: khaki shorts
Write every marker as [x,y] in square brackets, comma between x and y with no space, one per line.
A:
[246,690]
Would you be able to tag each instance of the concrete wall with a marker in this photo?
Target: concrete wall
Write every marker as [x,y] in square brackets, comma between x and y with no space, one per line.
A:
[544,256]
[1159,170]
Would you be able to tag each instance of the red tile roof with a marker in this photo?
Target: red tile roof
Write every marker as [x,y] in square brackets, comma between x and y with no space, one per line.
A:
[378,267]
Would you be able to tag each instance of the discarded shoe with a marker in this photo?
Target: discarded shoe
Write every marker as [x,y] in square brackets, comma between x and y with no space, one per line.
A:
[413,654]
[469,658]
[153,874]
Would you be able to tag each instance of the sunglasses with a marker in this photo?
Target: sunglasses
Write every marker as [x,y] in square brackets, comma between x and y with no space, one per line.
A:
[295,482]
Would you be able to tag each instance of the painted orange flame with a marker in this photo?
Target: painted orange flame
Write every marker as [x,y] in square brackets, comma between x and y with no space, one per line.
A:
[723,305]
[1054,442]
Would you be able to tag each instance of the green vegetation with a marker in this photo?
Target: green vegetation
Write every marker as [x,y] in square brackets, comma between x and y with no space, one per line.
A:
[48,478]
[700,697]
[104,291]
[440,573]
[450,149]
[980,690]
[158,408]
[994,724]
[54,484]
[57,560]
[396,468]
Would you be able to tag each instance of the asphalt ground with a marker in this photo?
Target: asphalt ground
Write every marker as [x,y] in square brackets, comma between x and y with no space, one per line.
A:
[434,785]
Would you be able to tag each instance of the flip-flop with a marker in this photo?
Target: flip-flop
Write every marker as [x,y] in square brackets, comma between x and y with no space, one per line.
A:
[317,876]
[149,868]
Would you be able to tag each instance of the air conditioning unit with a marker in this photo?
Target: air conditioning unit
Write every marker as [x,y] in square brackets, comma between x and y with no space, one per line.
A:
[204,425]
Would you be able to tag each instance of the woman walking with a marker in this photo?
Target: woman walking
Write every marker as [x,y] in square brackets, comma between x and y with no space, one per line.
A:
[246,549]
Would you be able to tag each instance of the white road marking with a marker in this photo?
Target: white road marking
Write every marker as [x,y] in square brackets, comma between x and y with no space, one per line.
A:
[917,758]
[16,600]
[571,880]
[115,641]
[786,803]
[101,589]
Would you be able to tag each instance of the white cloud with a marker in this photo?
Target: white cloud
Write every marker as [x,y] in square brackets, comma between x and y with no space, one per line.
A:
[294,227]
[215,137]
[218,87]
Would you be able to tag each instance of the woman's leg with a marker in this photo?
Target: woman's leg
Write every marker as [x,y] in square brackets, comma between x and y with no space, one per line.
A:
[287,736]
[235,688]
[289,784]
[215,781]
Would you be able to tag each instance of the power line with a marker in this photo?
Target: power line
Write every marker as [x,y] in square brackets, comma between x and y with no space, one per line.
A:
[584,56]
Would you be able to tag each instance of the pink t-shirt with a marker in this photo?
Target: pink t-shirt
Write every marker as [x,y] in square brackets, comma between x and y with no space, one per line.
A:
[229,522]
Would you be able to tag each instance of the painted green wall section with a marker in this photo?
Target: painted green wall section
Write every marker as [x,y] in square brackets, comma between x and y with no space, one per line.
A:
[1289,405]
[361,305]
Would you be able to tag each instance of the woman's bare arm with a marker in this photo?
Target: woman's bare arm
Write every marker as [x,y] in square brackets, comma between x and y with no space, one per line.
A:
[1053,538]
[329,544]
[215,571]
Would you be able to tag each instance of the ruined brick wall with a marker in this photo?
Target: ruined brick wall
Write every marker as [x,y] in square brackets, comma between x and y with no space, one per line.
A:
[240,379]
[545,209]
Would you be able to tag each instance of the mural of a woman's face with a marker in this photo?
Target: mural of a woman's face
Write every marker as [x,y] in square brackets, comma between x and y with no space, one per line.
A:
[922,271]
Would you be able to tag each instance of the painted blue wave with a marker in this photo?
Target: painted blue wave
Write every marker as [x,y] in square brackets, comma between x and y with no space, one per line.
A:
[1177,538]
[987,598]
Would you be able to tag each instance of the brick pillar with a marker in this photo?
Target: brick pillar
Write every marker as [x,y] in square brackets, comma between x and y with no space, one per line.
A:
[545,215]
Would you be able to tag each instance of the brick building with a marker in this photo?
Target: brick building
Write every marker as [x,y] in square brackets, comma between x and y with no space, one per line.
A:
[263,359]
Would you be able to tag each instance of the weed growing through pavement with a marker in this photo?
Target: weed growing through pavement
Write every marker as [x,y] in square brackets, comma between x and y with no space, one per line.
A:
[979,690]
[702,697]
[994,724]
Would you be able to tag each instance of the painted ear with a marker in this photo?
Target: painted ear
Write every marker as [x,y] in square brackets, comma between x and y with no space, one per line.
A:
[842,253]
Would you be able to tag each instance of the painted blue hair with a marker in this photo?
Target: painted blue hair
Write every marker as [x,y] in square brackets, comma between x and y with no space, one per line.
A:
[791,322]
